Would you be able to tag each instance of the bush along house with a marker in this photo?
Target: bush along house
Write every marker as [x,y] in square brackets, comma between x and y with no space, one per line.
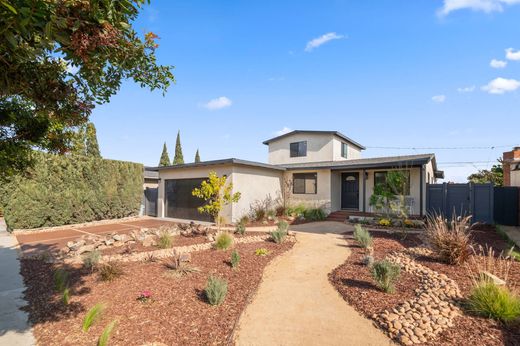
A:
[318,169]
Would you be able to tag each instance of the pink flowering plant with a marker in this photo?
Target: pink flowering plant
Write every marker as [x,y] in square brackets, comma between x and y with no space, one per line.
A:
[144,296]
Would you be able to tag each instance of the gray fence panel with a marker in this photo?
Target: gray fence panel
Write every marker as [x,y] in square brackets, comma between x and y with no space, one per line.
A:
[482,199]
[458,200]
[151,195]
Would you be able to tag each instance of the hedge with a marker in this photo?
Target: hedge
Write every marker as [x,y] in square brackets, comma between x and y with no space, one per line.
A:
[60,190]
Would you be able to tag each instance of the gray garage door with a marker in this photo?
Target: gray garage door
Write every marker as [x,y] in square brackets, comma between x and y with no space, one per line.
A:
[180,203]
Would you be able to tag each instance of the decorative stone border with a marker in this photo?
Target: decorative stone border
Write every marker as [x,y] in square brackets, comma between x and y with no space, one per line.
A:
[432,310]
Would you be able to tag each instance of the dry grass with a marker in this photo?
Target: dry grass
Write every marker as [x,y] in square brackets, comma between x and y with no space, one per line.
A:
[486,260]
[450,240]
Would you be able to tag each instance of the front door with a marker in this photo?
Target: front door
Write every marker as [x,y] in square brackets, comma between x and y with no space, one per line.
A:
[350,190]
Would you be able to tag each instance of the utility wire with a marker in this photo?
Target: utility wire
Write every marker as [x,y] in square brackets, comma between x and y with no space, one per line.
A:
[448,148]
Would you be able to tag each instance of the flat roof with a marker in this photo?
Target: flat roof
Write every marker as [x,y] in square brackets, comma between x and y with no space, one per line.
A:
[336,133]
[374,162]
[232,161]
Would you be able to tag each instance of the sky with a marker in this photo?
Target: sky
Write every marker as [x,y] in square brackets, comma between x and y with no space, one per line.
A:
[399,77]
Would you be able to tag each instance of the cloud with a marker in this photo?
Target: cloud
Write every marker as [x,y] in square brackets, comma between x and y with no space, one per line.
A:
[439,98]
[318,41]
[486,6]
[218,103]
[501,86]
[512,55]
[497,63]
[283,131]
[467,89]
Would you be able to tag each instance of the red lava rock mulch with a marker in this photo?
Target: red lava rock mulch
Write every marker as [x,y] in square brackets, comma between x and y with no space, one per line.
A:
[178,313]
[355,284]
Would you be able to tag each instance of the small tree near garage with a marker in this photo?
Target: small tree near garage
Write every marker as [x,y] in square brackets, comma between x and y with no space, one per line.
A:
[216,193]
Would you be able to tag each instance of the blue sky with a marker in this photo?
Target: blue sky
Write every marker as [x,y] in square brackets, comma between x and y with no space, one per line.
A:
[411,74]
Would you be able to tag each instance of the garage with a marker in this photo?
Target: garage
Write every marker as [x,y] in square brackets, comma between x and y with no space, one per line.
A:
[180,203]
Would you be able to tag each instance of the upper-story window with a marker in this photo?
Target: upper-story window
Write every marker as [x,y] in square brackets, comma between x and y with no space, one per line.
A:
[344,150]
[298,149]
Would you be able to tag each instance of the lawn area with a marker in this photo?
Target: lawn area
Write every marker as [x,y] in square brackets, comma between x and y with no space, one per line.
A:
[430,299]
[177,312]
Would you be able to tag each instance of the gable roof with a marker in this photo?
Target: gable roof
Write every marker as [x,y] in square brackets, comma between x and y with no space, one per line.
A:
[374,162]
[232,161]
[335,133]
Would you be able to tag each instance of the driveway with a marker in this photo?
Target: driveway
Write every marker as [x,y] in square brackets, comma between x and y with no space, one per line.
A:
[295,303]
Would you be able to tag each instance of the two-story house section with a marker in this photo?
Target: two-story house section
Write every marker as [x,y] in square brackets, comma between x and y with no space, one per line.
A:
[321,168]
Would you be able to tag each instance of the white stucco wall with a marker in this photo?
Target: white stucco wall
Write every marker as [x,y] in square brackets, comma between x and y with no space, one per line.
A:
[353,152]
[322,197]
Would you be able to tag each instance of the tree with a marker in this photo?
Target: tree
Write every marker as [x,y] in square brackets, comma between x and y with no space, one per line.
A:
[217,194]
[178,159]
[58,60]
[197,156]
[165,158]
[91,142]
[494,176]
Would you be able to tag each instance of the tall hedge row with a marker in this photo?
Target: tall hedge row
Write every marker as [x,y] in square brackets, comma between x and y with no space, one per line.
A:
[62,190]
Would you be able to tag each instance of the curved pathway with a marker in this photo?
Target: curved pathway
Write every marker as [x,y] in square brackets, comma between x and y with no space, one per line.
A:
[295,303]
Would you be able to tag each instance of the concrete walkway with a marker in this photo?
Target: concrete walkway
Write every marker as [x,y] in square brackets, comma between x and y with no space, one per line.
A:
[296,304]
[14,328]
[513,233]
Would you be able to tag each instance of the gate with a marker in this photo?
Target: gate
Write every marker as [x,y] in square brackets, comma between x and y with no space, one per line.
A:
[461,199]
[150,201]
[507,208]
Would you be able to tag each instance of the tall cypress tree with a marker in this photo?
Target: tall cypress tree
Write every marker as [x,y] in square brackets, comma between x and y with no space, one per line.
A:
[165,158]
[78,141]
[197,156]
[91,142]
[178,159]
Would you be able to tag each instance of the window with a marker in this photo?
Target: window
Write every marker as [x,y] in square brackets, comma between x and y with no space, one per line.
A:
[344,150]
[298,149]
[305,183]
[380,179]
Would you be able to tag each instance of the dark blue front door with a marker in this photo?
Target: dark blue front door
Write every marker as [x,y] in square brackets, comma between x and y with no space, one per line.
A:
[350,190]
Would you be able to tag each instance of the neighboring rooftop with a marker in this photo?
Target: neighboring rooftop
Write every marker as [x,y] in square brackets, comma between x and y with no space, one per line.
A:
[220,162]
[336,133]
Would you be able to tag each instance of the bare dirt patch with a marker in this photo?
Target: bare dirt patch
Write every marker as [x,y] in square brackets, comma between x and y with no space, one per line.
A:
[177,314]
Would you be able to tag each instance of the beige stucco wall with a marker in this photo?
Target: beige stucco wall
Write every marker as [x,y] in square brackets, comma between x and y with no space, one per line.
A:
[322,198]
[515,178]
[319,148]
[353,152]
[254,184]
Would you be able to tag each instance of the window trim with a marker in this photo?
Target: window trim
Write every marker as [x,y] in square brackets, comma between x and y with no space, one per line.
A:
[344,153]
[297,151]
[315,178]
[403,170]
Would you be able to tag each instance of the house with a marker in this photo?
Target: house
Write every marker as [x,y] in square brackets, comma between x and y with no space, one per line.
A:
[511,167]
[317,168]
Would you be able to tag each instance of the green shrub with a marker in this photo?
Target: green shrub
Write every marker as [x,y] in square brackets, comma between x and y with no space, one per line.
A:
[244,220]
[164,241]
[298,210]
[314,214]
[110,271]
[282,225]
[385,274]
[92,315]
[91,259]
[60,190]
[261,252]
[216,290]
[260,214]
[280,233]
[178,266]
[105,335]
[492,301]
[235,259]
[223,241]
[362,236]
[65,296]
[61,278]
[240,229]
[271,214]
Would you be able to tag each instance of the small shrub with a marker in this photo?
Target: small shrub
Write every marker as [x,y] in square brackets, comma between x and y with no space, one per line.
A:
[362,236]
[235,259]
[65,296]
[270,214]
[282,225]
[296,211]
[179,267]
[492,301]
[110,271]
[216,290]
[165,240]
[261,252]
[223,241]
[385,222]
[314,214]
[244,220]
[91,259]
[92,315]
[451,241]
[150,258]
[240,229]
[385,274]
[280,233]
[368,260]
[260,214]
[280,210]
[144,296]
[61,278]
[105,335]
